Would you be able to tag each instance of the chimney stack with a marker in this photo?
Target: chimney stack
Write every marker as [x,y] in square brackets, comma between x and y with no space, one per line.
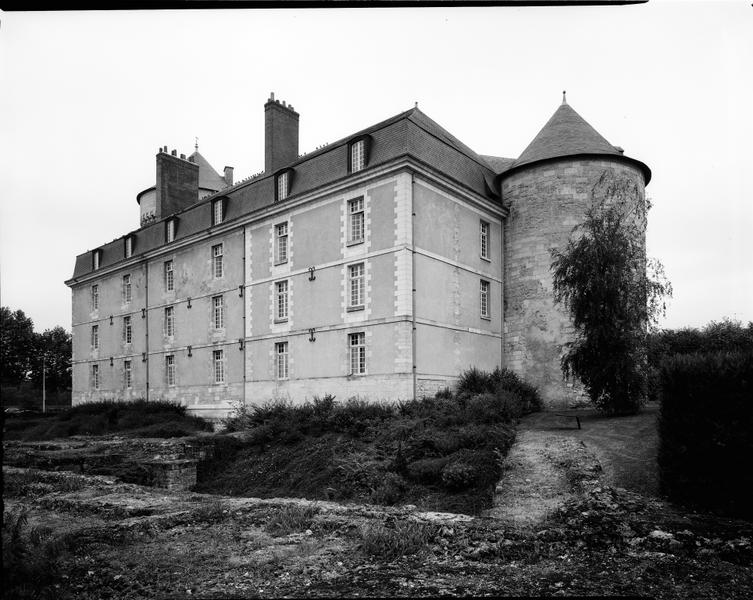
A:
[177,184]
[229,175]
[280,135]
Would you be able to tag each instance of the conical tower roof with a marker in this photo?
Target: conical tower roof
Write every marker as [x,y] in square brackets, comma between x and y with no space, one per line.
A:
[209,179]
[568,134]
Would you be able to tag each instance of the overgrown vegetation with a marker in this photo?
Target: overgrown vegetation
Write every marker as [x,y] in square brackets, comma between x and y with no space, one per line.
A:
[613,293]
[291,519]
[396,539]
[138,418]
[706,419]
[442,453]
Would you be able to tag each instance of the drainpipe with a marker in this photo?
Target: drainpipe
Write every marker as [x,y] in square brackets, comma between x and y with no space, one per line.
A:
[243,300]
[413,281]
[146,324]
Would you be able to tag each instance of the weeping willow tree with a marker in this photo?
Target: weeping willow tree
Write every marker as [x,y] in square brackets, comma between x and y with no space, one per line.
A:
[614,295]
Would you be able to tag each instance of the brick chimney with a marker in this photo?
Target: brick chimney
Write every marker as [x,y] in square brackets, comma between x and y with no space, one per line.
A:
[177,185]
[229,175]
[280,134]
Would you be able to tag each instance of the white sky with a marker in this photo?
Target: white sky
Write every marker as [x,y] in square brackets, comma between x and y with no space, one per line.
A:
[87,98]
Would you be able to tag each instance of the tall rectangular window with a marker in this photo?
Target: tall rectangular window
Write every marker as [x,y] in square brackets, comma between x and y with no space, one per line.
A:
[356,278]
[357,343]
[126,288]
[484,239]
[169,278]
[218,215]
[127,330]
[169,321]
[218,312]
[95,336]
[283,181]
[281,243]
[217,261]
[94,378]
[485,312]
[170,369]
[219,366]
[127,374]
[356,220]
[96,259]
[357,156]
[281,354]
[129,246]
[169,230]
[95,297]
[282,300]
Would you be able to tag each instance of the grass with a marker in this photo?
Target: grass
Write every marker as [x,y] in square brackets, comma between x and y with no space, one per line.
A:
[291,519]
[138,418]
[402,538]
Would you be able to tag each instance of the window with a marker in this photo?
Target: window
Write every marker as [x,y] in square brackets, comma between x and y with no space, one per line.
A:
[218,212]
[170,369]
[126,288]
[96,259]
[219,366]
[169,280]
[283,185]
[217,261]
[218,312]
[95,297]
[357,342]
[484,239]
[484,299]
[169,230]
[94,377]
[355,212]
[95,336]
[169,321]
[282,300]
[128,249]
[281,245]
[356,277]
[127,376]
[357,156]
[127,330]
[281,354]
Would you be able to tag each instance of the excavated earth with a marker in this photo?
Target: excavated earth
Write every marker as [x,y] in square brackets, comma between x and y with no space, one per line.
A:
[557,528]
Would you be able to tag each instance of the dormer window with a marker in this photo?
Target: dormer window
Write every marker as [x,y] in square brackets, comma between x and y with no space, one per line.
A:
[218,211]
[283,186]
[357,154]
[96,259]
[128,248]
[169,230]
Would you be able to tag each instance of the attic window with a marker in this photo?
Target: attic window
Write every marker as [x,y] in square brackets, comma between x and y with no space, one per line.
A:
[96,259]
[282,186]
[358,154]
[218,211]
[128,246]
[169,230]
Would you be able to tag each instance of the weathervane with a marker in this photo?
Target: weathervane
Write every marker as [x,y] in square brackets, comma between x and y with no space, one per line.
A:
[196,145]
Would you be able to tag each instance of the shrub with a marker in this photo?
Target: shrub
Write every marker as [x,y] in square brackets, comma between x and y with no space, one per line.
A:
[705,444]
[509,381]
[474,381]
[427,470]
[390,490]
[402,539]
[470,469]
[291,518]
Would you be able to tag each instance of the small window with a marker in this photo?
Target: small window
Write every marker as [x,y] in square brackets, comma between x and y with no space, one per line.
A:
[218,312]
[217,261]
[127,374]
[94,377]
[95,337]
[357,156]
[356,221]
[170,369]
[485,312]
[169,321]
[96,259]
[169,230]
[357,343]
[218,211]
[281,354]
[127,330]
[169,278]
[283,185]
[126,289]
[95,297]
[281,245]
[484,240]
[356,277]
[128,249]
[282,300]
[219,366]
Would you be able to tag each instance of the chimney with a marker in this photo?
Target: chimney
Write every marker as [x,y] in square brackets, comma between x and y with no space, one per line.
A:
[280,135]
[177,185]
[229,175]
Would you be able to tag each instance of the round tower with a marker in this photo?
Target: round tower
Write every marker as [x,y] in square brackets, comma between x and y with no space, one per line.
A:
[564,170]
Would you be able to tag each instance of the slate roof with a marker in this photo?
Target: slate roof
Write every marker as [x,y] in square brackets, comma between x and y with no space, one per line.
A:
[498,164]
[209,179]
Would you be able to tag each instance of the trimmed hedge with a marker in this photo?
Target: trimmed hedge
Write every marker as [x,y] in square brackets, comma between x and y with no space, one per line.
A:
[706,431]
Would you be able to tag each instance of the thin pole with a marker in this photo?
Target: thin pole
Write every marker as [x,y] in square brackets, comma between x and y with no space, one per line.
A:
[44,389]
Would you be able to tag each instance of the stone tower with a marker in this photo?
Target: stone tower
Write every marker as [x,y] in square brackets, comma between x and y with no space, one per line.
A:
[548,190]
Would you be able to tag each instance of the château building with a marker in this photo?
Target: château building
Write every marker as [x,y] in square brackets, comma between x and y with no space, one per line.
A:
[379,266]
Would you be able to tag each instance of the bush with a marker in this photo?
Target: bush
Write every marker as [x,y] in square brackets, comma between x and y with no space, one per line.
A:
[390,490]
[705,442]
[468,469]
[402,539]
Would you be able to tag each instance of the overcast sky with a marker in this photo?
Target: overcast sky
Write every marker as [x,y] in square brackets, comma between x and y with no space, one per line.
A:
[87,98]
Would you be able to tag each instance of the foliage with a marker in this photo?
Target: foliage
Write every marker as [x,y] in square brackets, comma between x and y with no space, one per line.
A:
[613,293]
[705,444]
[474,381]
[291,518]
[55,345]
[397,539]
